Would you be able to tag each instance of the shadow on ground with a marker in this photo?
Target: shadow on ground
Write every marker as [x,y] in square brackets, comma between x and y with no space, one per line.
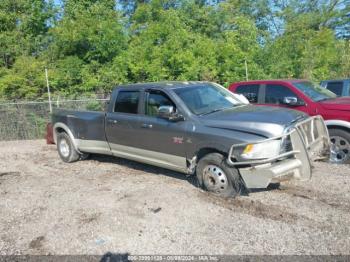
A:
[115,257]
[145,168]
[166,172]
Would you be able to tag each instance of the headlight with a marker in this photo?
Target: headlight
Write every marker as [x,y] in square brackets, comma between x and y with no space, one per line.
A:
[262,150]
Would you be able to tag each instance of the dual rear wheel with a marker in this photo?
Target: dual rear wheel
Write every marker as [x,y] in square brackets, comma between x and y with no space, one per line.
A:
[66,149]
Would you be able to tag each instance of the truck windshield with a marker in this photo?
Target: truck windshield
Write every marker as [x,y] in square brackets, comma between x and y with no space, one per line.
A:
[207,98]
[316,93]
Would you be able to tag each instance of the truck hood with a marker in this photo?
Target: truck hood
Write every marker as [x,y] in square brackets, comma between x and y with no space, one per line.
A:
[339,103]
[259,120]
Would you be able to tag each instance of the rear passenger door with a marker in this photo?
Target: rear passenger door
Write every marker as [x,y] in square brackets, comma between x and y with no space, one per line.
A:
[122,124]
[251,92]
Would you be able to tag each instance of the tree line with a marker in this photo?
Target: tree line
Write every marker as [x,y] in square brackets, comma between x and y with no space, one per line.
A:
[90,46]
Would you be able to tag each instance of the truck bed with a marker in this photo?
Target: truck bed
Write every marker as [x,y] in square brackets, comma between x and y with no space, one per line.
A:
[87,125]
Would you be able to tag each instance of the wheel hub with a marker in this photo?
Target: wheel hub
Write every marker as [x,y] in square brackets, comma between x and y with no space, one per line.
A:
[64,148]
[340,150]
[215,179]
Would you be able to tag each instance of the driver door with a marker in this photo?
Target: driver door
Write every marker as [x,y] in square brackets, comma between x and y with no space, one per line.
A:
[274,94]
[162,139]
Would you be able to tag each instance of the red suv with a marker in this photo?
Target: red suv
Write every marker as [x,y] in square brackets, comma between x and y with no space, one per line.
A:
[307,97]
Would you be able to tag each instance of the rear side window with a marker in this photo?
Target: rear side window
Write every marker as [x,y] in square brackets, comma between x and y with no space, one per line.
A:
[127,102]
[251,92]
[274,94]
[335,87]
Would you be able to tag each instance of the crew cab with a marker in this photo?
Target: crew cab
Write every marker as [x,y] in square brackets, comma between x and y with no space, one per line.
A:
[305,96]
[196,128]
[340,87]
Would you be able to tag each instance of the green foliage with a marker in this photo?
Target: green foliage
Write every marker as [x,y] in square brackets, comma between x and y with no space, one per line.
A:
[95,106]
[90,46]
[25,80]
[91,32]
[304,39]
[23,28]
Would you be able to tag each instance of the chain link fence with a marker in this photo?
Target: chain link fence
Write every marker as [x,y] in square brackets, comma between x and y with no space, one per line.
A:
[28,119]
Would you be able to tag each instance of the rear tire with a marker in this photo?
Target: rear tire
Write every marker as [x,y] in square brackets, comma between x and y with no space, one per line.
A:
[215,176]
[66,149]
[340,140]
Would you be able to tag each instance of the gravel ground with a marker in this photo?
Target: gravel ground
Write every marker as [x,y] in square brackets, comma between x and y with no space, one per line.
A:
[107,204]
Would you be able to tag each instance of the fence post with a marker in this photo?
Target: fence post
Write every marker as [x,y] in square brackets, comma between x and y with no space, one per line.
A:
[48,89]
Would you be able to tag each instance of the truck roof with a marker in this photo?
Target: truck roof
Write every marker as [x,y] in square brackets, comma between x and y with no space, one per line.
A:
[164,84]
[271,81]
[337,80]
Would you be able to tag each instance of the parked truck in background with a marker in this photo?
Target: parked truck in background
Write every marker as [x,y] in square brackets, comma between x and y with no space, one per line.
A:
[305,96]
[196,127]
[340,87]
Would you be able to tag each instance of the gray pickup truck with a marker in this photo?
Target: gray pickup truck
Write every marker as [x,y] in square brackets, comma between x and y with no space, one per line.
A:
[197,128]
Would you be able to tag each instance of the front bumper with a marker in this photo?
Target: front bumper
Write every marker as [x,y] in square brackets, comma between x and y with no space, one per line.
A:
[309,140]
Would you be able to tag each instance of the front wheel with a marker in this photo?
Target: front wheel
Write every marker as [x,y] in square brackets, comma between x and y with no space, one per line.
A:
[215,176]
[340,151]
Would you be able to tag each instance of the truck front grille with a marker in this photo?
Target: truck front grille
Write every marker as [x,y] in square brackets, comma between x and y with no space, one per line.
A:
[286,145]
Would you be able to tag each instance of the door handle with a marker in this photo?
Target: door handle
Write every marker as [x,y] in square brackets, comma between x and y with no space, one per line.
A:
[112,121]
[147,126]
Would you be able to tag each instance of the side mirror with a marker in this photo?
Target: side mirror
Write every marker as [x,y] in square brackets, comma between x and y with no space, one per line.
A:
[167,112]
[292,101]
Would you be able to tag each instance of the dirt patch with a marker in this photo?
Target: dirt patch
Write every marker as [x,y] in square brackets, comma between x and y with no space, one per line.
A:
[328,198]
[123,197]
[89,218]
[3,174]
[155,210]
[108,204]
[256,208]
[37,243]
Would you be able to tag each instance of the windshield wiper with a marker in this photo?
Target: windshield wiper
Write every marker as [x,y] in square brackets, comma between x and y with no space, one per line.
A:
[213,111]
[325,99]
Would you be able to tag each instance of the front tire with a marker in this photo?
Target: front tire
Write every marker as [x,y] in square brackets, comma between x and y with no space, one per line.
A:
[340,151]
[66,149]
[215,176]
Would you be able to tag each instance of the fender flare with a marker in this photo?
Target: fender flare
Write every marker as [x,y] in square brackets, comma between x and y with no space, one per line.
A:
[340,123]
[67,130]
[209,145]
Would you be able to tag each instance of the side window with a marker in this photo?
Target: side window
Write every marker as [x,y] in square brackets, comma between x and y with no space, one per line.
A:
[335,87]
[251,92]
[127,102]
[274,94]
[156,99]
